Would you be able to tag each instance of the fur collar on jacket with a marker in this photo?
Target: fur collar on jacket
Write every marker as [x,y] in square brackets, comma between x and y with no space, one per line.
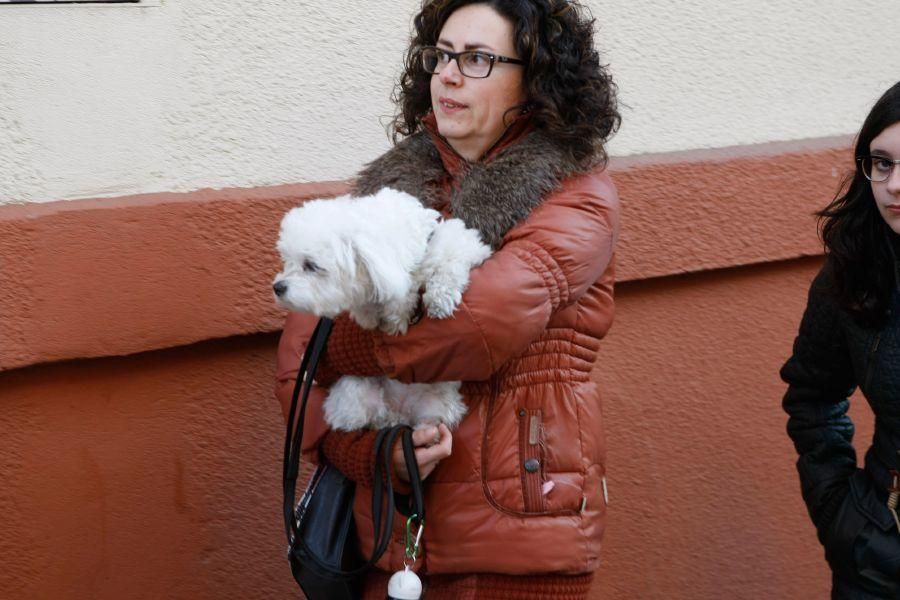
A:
[491,196]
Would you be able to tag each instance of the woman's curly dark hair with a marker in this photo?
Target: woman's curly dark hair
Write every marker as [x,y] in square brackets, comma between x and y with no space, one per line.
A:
[856,237]
[571,96]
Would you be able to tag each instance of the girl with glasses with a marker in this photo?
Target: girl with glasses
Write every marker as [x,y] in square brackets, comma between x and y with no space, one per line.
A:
[850,338]
[504,110]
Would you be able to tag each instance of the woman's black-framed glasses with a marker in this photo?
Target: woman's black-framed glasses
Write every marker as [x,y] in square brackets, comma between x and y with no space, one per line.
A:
[877,168]
[472,63]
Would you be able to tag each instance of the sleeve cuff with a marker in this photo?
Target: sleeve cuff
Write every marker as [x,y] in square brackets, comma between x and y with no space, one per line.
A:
[352,453]
[353,350]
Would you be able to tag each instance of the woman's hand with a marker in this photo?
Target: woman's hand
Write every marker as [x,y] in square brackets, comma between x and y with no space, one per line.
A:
[431,445]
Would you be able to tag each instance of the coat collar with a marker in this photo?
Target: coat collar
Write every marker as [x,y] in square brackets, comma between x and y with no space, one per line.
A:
[454,163]
[491,195]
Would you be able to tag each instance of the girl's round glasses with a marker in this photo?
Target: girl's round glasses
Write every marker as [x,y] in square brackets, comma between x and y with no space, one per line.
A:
[877,168]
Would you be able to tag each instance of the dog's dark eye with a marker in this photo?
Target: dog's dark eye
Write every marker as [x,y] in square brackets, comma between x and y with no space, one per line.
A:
[309,266]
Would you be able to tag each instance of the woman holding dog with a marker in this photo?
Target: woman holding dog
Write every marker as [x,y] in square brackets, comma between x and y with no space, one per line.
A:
[850,337]
[504,110]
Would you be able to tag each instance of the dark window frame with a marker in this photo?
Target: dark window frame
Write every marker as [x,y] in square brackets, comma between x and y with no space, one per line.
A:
[46,2]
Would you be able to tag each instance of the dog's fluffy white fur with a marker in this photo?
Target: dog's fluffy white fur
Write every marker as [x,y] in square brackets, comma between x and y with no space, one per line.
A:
[371,256]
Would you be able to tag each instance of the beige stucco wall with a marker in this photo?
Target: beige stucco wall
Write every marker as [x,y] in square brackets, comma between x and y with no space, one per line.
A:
[184,94]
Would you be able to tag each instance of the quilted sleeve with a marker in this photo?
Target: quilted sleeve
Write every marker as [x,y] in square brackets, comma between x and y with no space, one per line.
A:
[820,380]
[545,263]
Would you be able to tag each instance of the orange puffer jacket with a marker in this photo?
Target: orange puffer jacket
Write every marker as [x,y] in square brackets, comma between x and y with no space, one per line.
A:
[524,489]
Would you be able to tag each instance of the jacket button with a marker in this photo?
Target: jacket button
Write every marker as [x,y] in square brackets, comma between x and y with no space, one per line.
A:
[532,465]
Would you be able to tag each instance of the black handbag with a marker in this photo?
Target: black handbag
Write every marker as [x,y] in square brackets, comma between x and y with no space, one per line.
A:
[320,529]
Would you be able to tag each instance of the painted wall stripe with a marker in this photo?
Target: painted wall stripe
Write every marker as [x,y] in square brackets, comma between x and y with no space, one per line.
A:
[117,276]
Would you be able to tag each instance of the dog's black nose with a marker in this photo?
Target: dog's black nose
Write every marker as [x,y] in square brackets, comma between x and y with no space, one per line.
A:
[280,288]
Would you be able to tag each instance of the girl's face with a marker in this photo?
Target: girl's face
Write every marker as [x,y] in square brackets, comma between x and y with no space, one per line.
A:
[886,145]
[470,112]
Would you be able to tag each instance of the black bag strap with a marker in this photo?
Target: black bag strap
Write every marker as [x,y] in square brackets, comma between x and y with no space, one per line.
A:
[382,487]
[415,480]
[294,433]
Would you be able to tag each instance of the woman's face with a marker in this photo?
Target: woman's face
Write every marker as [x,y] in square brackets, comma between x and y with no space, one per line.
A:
[887,193]
[469,111]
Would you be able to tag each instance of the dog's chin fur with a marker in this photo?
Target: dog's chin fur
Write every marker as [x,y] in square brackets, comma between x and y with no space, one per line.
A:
[370,256]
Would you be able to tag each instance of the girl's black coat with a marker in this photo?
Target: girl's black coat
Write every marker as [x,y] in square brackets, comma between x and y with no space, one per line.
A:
[833,355]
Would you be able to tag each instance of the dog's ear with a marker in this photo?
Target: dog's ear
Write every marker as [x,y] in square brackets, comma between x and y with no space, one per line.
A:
[389,279]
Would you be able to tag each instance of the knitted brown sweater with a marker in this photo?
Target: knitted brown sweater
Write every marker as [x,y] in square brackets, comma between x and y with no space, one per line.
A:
[489,586]
[352,453]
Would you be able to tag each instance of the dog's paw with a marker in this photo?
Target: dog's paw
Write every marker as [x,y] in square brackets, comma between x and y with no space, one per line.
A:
[344,414]
[365,316]
[392,328]
[353,403]
[440,301]
[393,324]
[439,403]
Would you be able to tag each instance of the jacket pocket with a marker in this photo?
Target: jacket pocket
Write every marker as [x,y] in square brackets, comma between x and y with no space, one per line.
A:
[514,464]
[862,543]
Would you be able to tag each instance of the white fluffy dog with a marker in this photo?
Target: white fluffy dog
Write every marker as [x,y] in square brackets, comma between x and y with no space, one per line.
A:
[371,256]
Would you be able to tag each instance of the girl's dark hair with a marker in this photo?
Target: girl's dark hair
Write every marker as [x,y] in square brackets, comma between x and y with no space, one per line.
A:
[571,95]
[857,239]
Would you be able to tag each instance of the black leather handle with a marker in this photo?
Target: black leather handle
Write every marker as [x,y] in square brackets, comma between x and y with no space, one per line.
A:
[382,487]
[294,434]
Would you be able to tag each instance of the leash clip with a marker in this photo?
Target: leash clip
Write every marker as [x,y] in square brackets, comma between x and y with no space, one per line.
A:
[412,547]
[894,496]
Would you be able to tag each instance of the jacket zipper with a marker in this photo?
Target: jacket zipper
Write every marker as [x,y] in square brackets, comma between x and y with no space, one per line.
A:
[530,458]
[869,367]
